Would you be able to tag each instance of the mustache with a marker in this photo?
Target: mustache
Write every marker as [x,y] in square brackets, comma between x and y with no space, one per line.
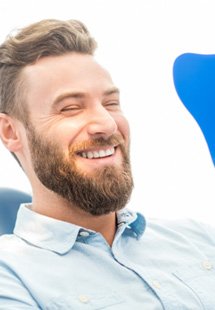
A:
[114,140]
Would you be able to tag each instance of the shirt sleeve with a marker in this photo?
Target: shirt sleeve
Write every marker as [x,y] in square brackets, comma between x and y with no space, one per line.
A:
[13,294]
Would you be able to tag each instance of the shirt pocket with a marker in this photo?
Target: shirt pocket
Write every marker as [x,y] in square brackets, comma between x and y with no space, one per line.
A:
[92,301]
[200,279]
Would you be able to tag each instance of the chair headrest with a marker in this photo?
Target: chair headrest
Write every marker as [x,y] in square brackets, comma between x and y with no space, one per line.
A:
[10,200]
[194,79]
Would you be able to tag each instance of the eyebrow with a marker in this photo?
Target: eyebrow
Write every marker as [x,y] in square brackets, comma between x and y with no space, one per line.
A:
[77,94]
[111,91]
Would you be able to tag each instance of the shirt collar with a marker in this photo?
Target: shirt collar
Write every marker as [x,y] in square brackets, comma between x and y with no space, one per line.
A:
[133,220]
[59,236]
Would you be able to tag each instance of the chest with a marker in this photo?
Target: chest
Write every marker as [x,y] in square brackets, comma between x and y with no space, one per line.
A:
[89,278]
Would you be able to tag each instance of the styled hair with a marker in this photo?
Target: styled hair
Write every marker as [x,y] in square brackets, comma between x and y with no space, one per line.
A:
[48,37]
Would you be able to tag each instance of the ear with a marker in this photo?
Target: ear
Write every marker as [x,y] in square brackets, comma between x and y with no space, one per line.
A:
[9,132]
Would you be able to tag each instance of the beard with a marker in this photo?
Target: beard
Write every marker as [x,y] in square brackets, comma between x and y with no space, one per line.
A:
[105,190]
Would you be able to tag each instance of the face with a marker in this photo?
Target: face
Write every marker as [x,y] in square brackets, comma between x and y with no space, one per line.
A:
[78,137]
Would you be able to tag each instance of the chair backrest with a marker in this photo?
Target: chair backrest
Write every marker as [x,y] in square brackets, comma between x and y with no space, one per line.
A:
[10,200]
[194,81]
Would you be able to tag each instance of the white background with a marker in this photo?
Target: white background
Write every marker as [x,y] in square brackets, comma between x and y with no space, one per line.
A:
[138,42]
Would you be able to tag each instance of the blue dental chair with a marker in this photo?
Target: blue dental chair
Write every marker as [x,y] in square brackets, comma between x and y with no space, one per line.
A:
[194,80]
[10,200]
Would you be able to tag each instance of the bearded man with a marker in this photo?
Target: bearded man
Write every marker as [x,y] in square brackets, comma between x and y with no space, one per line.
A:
[77,246]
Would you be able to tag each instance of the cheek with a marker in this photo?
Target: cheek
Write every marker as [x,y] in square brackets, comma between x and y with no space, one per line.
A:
[67,131]
[123,127]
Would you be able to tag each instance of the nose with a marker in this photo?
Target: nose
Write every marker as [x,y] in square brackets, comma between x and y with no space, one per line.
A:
[101,123]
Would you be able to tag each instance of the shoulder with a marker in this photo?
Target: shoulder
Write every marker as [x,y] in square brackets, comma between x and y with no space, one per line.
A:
[10,245]
[191,231]
[6,241]
[187,226]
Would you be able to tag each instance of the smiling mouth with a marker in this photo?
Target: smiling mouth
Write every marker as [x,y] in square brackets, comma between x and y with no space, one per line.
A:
[100,153]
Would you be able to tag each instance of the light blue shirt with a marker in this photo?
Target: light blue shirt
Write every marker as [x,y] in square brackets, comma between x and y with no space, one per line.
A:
[51,264]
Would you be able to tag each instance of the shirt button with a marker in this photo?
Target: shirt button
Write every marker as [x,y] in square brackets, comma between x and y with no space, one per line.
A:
[84,299]
[207,265]
[156,284]
[84,233]
[120,224]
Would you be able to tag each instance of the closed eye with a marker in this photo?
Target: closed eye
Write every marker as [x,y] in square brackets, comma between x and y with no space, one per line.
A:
[71,110]
[112,105]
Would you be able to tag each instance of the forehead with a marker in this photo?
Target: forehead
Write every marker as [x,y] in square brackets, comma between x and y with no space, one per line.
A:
[53,75]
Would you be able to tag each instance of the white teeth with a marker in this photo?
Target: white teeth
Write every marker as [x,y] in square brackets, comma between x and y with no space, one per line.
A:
[109,152]
[102,153]
[89,155]
[98,154]
[95,154]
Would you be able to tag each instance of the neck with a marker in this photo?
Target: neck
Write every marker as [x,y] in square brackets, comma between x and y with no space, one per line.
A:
[56,207]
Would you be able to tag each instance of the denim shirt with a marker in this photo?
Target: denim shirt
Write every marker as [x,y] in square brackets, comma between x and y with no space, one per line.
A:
[153,265]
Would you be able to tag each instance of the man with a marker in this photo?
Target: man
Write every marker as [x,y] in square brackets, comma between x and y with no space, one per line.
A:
[77,246]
